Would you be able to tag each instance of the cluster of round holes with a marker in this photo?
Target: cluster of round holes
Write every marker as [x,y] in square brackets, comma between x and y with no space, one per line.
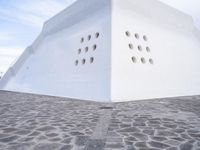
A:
[89,37]
[139,47]
[86,49]
[143,60]
[83,61]
[136,35]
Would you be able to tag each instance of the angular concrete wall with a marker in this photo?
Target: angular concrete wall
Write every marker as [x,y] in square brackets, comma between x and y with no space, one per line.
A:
[71,57]
[155,52]
[111,50]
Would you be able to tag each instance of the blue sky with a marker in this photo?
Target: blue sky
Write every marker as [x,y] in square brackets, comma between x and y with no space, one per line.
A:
[21,21]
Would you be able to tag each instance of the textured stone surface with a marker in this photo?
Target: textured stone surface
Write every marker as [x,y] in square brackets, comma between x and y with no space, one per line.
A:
[37,122]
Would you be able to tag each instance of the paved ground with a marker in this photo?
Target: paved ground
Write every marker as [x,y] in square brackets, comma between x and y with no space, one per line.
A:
[32,122]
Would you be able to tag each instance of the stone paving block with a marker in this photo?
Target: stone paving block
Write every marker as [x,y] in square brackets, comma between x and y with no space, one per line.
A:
[186,146]
[9,139]
[47,146]
[95,145]
[114,145]
[54,123]
[66,147]
[158,144]
[81,140]
[129,130]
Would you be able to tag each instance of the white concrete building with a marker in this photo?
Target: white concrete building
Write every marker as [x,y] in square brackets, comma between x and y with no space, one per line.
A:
[111,50]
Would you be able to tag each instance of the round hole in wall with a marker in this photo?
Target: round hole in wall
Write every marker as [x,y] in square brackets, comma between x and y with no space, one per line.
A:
[143,60]
[94,47]
[76,63]
[130,46]
[91,60]
[148,49]
[151,61]
[82,40]
[86,49]
[137,36]
[97,35]
[134,60]
[83,61]
[145,38]
[128,34]
[79,51]
[89,37]
[139,47]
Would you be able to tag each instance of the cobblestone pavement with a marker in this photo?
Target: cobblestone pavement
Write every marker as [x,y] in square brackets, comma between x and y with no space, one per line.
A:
[33,122]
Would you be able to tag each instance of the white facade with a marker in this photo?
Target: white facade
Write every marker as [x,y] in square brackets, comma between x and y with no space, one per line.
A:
[111,50]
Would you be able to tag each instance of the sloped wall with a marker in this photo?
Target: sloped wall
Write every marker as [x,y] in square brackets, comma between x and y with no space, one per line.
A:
[71,57]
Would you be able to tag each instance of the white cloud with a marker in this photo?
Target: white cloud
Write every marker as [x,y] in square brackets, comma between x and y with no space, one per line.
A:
[33,13]
[5,37]
[14,51]
[24,12]
[45,8]
[21,17]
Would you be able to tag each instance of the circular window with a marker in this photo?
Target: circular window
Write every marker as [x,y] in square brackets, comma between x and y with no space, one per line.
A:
[89,37]
[148,49]
[91,60]
[86,49]
[151,61]
[97,35]
[83,61]
[143,60]
[94,47]
[82,40]
[79,51]
[128,34]
[140,48]
[134,60]
[145,38]
[130,46]
[76,63]
[137,36]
